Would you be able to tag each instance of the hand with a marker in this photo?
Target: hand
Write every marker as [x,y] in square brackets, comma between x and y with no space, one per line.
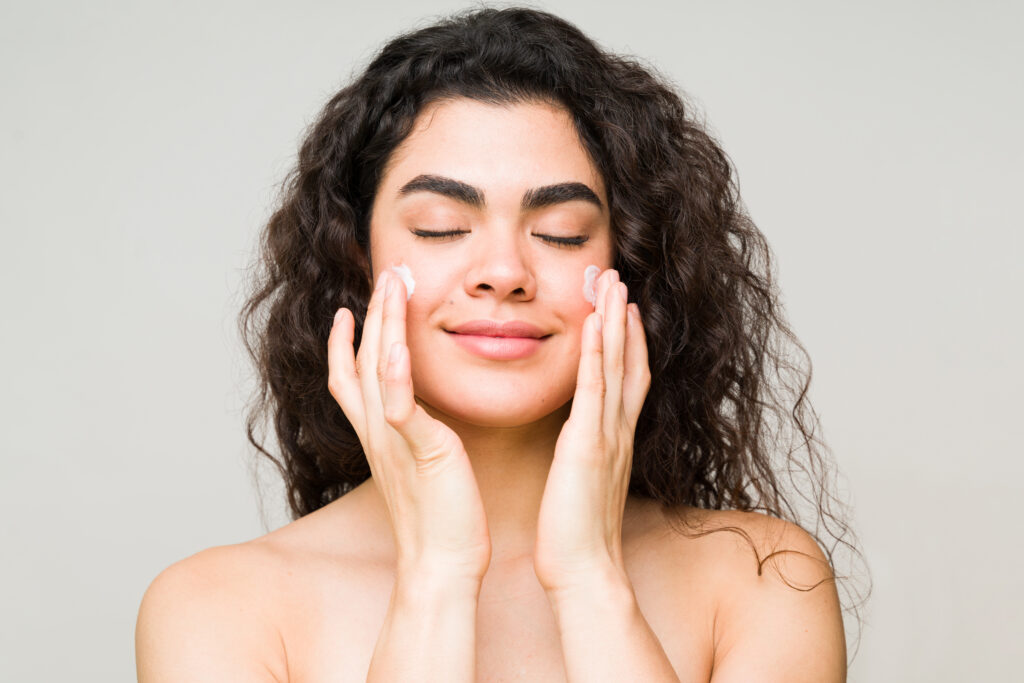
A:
[579,532]
[418,463]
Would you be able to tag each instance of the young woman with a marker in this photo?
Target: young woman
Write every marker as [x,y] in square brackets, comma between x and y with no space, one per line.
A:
[516,333]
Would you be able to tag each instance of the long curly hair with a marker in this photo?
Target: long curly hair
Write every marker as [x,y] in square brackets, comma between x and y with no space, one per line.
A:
[727,412]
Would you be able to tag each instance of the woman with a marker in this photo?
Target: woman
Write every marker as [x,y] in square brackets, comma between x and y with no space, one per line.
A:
[516,344]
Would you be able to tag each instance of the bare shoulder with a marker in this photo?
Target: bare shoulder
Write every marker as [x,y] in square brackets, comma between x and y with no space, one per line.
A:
[778,616]
[207,618]
[753,542]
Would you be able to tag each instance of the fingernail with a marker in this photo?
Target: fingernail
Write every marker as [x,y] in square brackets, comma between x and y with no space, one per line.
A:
[391,285]
[381,279]
[623,292]
[339,315]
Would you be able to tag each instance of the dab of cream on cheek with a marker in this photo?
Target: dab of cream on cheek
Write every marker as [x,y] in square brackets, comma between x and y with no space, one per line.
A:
[589,280]
[403,272]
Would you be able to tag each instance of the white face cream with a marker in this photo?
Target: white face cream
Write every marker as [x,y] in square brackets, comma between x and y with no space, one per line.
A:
[589,279]
[403,272]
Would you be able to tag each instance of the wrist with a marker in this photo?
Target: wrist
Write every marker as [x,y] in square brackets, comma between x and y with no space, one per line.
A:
[430,583]
[610,586]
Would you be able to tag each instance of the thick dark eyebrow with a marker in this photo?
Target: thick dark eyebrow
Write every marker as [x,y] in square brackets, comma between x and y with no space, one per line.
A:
[534,198]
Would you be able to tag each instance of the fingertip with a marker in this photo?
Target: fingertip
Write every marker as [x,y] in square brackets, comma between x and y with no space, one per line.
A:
[341,327]
[638,322]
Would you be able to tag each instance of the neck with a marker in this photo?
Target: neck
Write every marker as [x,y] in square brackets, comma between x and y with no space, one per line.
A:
[511,467]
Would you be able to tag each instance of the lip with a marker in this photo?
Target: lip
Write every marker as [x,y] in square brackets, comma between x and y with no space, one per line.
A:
[494,328]
[497,348]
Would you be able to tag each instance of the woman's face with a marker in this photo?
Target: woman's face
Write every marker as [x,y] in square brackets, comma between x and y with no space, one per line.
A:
[482,169]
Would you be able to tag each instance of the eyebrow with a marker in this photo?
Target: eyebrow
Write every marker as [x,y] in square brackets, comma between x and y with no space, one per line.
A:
[534,198]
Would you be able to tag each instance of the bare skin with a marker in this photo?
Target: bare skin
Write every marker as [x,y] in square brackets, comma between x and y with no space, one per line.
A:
[333,597]
[306,603]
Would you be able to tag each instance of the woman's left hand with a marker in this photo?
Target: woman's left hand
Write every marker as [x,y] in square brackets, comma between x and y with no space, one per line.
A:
[579,531]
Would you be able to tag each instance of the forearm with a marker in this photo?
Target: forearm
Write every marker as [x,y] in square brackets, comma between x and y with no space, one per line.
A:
[429,633]
[605,637]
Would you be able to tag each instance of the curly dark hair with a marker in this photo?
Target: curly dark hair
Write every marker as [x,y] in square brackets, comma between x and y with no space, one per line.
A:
[727,411]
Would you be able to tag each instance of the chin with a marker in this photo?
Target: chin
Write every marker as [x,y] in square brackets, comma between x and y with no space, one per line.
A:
[485,409]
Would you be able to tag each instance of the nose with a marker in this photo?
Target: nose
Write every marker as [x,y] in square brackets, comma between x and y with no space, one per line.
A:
[501,266]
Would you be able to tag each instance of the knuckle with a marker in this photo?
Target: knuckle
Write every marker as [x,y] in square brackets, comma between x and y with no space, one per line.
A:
[334,387]
[360,365]
[432,446]
[430,460]
[396,415]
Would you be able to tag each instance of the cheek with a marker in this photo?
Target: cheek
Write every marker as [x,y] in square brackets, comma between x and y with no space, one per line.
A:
[430,280]
[581,292]
[573,311]
[403,271]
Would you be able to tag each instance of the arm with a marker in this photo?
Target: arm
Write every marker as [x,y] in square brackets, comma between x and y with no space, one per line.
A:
[771,633]
[604,635]
[200,621]
[429,633]
[776,633]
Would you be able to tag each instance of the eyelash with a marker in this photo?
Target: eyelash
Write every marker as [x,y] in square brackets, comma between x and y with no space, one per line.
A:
[568,242]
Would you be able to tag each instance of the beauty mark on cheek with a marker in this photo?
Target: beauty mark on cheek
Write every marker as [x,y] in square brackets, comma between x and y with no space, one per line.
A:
[403,272]
[589,279]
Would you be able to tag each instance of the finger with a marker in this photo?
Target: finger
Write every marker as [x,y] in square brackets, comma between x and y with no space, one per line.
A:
[614,346]
[342,380]
[637,380]
[421,432]
[392,328]
[604,284]
[424,436]
[367,360]
[603,281]
[398,398]
[588,401]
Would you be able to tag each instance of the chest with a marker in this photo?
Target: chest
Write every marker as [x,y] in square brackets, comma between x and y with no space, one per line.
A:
[333,627]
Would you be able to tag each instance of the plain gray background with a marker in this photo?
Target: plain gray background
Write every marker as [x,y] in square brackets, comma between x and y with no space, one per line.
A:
[878,147]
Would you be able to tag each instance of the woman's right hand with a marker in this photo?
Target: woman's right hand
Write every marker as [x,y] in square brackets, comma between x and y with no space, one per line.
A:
[418,463]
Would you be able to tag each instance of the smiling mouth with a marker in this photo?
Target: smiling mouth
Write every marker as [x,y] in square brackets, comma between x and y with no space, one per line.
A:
[494,336]
[497,348]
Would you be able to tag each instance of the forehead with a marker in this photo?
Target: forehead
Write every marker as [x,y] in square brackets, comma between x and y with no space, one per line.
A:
[494,146]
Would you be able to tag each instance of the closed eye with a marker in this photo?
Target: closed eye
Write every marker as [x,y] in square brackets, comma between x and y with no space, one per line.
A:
[560,241]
